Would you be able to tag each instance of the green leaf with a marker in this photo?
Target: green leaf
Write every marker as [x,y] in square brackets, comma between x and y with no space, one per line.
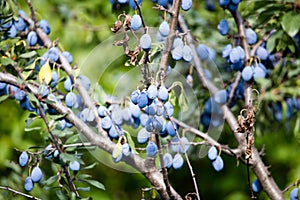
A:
[83,176]
[297,127]
[5,61]
[182,101]
[290,23]
[32,129]
[67,157]
[99,95]
[3,98]
[172,97]
[32,98]
[61,195]
[272,41]
[131,143]
[84,189]
[28,54]
[45,74]
[95,183]
[51,180]
[90,166]
[72,139]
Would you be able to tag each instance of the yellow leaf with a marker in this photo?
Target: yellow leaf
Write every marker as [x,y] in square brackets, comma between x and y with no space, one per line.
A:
[117,150]
[45,74]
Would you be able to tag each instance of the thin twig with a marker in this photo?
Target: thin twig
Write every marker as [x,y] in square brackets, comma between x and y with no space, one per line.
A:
[141,15]
[186,157]
[164,61]
[296,183]
[164,170]
[33,15]
[19,193]
[260,42]
[234,87]
[86,144]
[209,140]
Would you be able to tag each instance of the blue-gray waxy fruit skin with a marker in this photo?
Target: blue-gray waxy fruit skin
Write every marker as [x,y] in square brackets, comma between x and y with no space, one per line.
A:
[23,159]
[36,174]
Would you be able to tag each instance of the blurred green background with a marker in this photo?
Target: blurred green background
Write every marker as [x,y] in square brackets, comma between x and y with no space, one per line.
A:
[82,25]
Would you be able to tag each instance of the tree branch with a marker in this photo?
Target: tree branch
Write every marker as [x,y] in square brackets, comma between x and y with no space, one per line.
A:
[164,61]
[152,174]
[18,192]
[258,166]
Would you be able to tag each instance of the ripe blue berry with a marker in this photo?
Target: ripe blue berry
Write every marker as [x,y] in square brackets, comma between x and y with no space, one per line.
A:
[151,149]
[163,94]
[212,153]
[113,132]
[262,53]
[143,136]
[44,25]
[68,56]
[85,81]
[169,109]
[146,42]
[294,194]
[202,51]
[256,186]
[134,96]
[19,94]
[142,100]
[170,129]
[126,149]
[54,80]
[236,54]
[70,99]
[177,42]
[36,174]
[102,111]
[187,53]
[184,144]
[12,32]
[163,2]
[135,110]
[247,73]
[178,161]
[218,164]
[186,4]
[32,38]
[152,92]
[223,27]
[20,24]
[106,123]
[87,115]
[133,5]
[258,73]
[168,160]
[123,1]
[68,84]
[23,159]
[224,3]
[221,97]
[53,54]
[251,36]
[226,51]
[236,1]
[74,166]
[177,53]
[28,184]
[135,22]
[164,29]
